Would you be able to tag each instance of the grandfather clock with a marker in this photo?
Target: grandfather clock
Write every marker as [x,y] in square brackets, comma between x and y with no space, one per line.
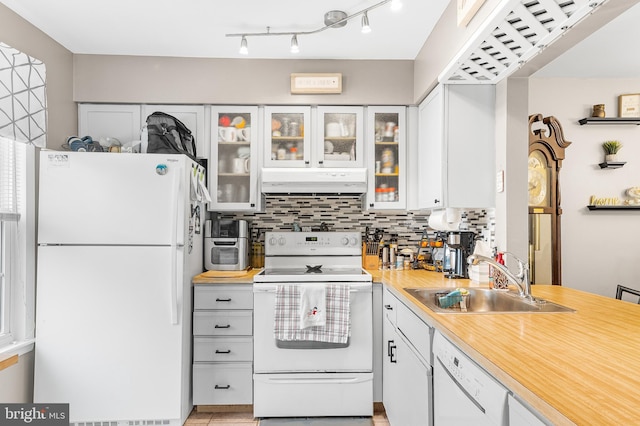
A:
[546,152]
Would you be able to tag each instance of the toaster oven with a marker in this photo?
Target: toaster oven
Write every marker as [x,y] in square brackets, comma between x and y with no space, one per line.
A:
[226,245]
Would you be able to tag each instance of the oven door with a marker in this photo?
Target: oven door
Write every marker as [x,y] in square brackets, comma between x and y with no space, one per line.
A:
[356,356]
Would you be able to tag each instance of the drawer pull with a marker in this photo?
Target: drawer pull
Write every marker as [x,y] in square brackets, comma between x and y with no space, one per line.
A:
[223,300]
[218,351]
[222,387]
[222,326]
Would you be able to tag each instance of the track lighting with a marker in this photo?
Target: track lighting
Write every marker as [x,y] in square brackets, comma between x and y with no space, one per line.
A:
[294,44]
[365,24]
[244,49]
[332,19]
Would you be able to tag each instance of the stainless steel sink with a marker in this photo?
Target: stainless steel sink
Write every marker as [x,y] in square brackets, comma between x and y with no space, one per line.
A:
[485,301]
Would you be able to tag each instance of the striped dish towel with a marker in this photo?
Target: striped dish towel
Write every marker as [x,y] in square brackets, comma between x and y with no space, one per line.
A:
[287,317]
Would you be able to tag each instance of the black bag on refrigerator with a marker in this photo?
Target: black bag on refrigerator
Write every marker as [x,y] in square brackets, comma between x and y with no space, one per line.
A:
[168,135]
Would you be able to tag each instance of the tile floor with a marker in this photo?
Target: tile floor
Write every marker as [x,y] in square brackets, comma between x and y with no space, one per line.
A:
[246,419]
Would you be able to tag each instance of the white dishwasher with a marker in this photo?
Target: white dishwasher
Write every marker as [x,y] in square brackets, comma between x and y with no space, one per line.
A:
[464,394]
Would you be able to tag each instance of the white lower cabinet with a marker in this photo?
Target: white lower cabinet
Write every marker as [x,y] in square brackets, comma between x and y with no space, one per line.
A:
[407,372]
[519,415]
[222,344]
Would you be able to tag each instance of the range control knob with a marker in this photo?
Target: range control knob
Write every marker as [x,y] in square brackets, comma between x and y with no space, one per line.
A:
[281,241]
[344,241]
[273,241]
[353,241]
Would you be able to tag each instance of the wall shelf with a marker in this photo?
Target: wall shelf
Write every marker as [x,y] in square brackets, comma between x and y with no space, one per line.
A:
[610,120]
[622,207]
[612,165]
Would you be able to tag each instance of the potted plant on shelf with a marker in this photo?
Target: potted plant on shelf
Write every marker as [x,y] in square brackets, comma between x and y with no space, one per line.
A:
[611,149]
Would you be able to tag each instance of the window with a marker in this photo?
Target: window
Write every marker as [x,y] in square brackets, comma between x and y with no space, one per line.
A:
[17,241]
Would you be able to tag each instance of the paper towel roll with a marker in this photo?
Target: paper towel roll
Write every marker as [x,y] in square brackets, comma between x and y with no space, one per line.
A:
[445,220]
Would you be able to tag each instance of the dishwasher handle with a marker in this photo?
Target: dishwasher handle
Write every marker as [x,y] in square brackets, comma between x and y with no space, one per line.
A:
[457,383]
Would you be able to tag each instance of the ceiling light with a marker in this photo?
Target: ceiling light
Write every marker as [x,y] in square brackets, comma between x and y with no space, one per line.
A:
[332,19]
[244,49]
[294,44]
[365,24]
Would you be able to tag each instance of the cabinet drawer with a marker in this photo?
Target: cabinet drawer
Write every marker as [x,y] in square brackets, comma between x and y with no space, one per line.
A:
[224,349]
[223,323]
[389,306]
[222,383]
[223,297]
[416,331]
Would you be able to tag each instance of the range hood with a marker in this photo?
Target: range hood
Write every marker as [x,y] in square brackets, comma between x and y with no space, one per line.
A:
[314,180]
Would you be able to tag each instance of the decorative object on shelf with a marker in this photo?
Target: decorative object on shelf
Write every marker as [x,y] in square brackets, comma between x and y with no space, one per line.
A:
[634,196]
[598,111]
[332,19]
[629,105]
[611,149]
[612,164]
[316,83]
[610,201]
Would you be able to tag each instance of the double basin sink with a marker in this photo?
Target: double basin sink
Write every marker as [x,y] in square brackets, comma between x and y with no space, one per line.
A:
[484,301]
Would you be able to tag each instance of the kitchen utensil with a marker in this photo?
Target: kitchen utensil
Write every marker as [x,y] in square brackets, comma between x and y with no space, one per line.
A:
[241,165]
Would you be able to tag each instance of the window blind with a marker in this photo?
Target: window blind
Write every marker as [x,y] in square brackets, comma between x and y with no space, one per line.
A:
[8,180]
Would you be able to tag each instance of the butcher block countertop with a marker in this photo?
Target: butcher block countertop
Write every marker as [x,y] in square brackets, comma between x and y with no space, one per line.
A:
[578,367]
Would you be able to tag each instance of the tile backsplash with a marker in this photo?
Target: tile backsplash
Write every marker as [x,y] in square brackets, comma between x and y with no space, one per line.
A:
[345,213]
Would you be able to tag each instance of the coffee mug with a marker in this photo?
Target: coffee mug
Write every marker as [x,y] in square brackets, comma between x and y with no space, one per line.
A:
[333,130]
[244,134]
[240,165]
[228,134]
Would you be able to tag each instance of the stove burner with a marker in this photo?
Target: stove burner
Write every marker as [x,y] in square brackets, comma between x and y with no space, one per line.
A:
[314,269]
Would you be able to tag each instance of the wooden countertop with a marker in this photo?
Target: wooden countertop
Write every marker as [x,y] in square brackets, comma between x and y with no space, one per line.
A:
[573,368]
[226,277]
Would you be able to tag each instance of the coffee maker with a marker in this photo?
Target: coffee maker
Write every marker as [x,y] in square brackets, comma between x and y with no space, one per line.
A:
[459,246]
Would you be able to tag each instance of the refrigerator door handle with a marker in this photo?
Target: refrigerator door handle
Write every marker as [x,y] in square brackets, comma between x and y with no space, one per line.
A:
[175,193]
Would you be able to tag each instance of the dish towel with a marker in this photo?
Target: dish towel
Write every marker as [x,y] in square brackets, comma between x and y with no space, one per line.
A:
[337,327]
[313,306]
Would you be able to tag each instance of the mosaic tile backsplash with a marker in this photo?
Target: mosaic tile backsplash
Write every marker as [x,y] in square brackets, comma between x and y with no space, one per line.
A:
[345,213]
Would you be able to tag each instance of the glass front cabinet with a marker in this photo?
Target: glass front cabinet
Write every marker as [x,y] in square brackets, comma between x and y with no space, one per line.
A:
[287,136]
[313,137]
[339,137]
[386,166]
[233,164]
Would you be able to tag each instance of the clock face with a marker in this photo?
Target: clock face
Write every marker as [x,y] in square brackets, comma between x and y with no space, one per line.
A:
[538,180]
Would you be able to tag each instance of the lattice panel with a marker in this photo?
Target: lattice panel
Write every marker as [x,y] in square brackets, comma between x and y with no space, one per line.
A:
[514,33]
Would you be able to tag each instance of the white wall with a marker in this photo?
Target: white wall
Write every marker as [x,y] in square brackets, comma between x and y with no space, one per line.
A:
[599,248]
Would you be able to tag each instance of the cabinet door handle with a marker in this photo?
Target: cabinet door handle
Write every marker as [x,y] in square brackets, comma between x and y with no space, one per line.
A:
[388,307]
[222,387]
[393,347]
[389,342]
[370,204]
[222,326]
[218,351]
[223,300]
[436,201]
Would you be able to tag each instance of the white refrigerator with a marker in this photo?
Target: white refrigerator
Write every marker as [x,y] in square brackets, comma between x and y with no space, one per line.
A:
[119,239]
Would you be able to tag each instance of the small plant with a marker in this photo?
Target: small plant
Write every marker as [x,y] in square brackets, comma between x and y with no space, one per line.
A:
[611,147]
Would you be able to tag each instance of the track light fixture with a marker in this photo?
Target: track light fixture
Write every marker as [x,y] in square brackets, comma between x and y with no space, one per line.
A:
[332,19]
[365,24]
[244,49]
[294,44]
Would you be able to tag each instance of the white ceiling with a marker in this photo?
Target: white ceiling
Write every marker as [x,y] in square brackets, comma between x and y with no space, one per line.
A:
[610,52]
[197,28]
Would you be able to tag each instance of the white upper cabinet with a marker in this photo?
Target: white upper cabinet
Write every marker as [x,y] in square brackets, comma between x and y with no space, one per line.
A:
[234,160]
[101,121]
[324,136]
[287,136]
[386,140]
[339,136]
[456,147]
